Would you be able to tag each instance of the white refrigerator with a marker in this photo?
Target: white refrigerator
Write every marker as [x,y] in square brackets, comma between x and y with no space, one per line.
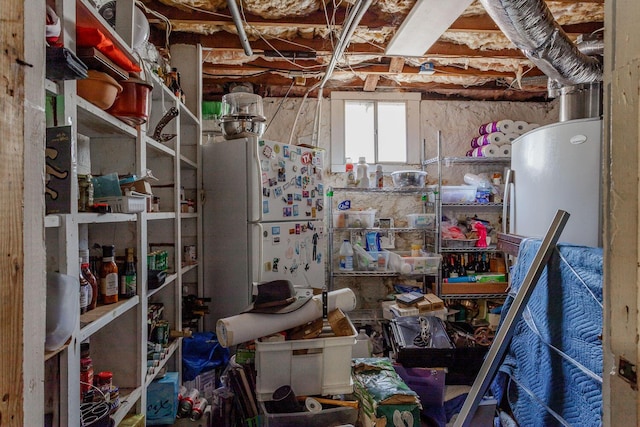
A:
[558,166]
[263,216]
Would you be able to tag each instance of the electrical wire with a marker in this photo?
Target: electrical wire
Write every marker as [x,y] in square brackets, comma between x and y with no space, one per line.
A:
[280,105]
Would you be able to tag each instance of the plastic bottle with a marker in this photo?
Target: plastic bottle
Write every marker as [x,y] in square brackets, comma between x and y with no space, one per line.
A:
[379,179]
[350,174]
[362,347]
[415,250]
[346,256]
[362,175]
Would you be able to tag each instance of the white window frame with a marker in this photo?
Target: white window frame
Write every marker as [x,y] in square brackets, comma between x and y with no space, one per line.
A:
[338,125]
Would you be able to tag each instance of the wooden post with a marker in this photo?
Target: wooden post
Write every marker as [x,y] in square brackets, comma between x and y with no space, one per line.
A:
[22,260]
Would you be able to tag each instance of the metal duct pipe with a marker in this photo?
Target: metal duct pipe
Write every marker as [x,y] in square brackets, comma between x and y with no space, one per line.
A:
[580,101]
[531,27]
[235,14]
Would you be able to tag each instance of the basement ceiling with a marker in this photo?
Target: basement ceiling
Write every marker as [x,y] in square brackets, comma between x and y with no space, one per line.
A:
[292,43]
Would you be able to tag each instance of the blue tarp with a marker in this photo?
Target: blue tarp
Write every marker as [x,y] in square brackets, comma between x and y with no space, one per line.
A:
[552,372]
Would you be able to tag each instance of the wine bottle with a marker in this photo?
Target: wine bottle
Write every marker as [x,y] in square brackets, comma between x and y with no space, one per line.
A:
[128,280]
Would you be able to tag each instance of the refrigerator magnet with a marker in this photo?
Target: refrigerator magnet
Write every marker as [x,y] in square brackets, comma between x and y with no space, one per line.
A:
[297,197]
[276,148]
[267,151]
[275,262]
[265,206]
[295,210]
[266,191]
[275,230]
[265,178]
[293,156]
[265,165]
[307,158]
[285,151]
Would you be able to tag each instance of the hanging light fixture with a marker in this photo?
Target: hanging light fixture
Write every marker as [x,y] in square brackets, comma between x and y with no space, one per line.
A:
[424,25]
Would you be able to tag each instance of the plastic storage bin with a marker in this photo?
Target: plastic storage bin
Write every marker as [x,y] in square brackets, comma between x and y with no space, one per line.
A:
[458,194]
[125,204]
[310,367]
[354,219]
[404,263]
[333,416]
[380,261]
[421,220]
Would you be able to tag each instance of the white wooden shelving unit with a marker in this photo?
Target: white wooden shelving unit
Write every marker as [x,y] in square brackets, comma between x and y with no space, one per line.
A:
[118,332]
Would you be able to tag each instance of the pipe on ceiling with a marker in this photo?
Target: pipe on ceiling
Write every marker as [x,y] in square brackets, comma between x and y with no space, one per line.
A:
[235,14]
[531,27]
[348,29]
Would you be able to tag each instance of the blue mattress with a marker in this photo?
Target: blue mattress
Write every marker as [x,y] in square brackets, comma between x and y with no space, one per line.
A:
[552,372]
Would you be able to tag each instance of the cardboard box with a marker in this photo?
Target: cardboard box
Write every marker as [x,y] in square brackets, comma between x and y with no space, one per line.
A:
[139,186]
[58,170]
[162,400]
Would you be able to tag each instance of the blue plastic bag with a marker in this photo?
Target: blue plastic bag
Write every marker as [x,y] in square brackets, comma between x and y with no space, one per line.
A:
[201,353]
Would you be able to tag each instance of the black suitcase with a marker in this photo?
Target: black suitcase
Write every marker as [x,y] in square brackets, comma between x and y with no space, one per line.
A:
[426,341]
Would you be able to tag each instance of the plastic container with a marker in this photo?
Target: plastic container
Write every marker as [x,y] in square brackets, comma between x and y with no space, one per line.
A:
[421,220]
[328,416]
[99,88]
[354,219]
[318,366]
[409,178]
[346,256]
[125,204]
[362,347]
[404,263]
[458,193]
[63,309]
[132,105]
[458,243]
[362,175]
[242,103]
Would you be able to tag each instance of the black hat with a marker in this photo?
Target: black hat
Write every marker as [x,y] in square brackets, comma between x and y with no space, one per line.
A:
[276,297]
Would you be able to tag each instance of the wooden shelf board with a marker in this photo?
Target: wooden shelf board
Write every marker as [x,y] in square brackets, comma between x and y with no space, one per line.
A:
[102,315]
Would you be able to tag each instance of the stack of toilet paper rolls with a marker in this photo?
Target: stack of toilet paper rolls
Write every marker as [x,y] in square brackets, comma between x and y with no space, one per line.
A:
[495,138]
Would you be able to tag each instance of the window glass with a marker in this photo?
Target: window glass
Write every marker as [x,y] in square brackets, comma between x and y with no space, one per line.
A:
[359,120]
[364,120]
[392,132]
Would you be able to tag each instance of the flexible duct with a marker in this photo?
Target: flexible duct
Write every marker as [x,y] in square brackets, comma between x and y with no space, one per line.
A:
[530,26]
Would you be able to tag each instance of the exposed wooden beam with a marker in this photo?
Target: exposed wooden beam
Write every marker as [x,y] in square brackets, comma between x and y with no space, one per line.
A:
[224,41]
[370,82]
[396,65]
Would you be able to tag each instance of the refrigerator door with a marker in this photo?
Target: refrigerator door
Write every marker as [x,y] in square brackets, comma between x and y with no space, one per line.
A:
[286,183]
[292,250]
[558,167]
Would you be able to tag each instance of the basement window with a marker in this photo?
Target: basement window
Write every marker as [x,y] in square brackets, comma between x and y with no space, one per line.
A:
[383,128]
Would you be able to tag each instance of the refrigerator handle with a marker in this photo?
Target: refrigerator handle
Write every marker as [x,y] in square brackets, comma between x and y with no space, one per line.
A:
[508,182]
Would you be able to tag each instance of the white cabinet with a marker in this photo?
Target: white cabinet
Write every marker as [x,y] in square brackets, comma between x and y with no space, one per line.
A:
[103,144]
